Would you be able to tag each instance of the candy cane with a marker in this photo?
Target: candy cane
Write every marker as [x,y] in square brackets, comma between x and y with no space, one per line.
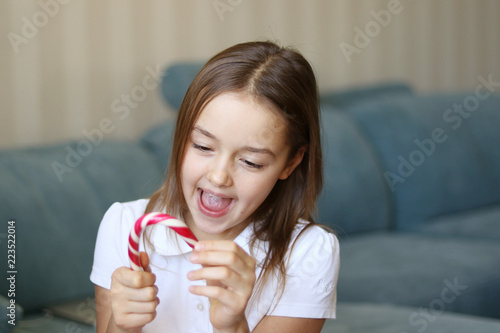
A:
[155,218]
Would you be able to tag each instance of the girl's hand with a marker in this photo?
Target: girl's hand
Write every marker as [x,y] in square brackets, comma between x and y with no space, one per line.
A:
[230,275]
[133,297]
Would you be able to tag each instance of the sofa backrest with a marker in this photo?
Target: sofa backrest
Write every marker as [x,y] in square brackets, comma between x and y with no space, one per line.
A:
[355,197]
[176,81]
[440,154]
[57,196]
[347,98]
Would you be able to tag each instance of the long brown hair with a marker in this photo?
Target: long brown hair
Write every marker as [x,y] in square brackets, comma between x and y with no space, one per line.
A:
[279,77]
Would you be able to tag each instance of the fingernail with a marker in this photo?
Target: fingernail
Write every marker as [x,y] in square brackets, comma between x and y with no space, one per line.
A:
[199,246]
[190,275]
[194,257]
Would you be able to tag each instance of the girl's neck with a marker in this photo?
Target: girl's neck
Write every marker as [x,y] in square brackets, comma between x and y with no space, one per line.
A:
[229,234]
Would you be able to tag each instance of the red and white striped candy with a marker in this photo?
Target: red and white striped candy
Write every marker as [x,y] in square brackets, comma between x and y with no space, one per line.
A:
[155,218]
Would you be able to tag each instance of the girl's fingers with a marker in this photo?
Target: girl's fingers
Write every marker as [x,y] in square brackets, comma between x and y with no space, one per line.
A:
[145,294]
[228,270]
[133,297]
[141,307]
[129,278]
[227,259]
[224,246]
[226,278]
[143,256]
[229,299]
[134,320]
[230,275]
[225,254]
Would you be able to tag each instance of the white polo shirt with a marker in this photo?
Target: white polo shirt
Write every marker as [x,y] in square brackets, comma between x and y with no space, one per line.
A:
[311,282]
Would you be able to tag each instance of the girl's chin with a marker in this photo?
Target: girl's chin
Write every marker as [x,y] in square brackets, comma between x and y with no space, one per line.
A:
[210,229]
[208,232]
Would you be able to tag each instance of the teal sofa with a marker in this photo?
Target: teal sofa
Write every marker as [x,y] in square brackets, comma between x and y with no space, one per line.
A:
[413,197]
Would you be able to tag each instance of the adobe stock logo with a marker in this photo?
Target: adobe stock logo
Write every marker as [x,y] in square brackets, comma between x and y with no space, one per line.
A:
[372,29]
[121,108]
[223,6]
[39,19]
[421,318]
[453,117]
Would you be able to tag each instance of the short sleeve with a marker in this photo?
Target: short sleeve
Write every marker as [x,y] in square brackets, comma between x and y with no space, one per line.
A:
[312,274]
[111,245]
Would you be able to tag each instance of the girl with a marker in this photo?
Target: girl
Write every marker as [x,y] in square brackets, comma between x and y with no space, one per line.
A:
[244,176]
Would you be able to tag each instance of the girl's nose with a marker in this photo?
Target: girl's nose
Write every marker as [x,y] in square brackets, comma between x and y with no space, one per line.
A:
[219,175]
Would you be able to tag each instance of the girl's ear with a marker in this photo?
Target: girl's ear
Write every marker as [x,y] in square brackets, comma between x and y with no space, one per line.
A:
[293,163]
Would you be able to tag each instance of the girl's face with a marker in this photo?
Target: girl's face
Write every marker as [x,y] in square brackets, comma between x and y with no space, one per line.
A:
[236,153]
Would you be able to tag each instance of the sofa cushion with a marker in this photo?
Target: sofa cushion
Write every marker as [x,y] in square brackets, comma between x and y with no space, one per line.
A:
[384,318]
[354,197]
[176,81]
[435,161]
[159,141]
[47,322]
[57,217]
[437,273]
[479,223]
[365,94]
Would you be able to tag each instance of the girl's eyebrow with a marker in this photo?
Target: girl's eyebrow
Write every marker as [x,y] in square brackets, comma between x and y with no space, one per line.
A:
[204,132]
[258,150]
[245,148]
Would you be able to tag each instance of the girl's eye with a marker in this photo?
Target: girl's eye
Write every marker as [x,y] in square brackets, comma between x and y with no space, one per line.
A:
[253,165]
[201,148]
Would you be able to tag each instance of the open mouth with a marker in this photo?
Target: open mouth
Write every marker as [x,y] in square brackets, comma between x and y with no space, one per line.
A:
[213,205]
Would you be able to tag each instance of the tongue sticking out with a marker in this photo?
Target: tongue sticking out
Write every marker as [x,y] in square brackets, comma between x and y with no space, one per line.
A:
[213,202]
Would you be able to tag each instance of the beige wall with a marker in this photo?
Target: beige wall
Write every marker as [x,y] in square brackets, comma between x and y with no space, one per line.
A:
[61,78]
